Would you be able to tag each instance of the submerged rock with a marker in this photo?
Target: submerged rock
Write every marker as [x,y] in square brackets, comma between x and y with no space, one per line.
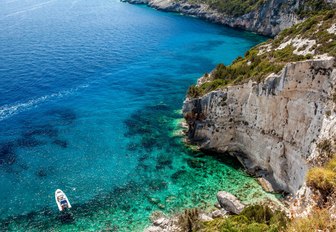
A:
[229,202]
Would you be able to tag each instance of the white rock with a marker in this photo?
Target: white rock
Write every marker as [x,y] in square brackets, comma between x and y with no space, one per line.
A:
[332,29]
[219,213]
[153,229]
[205,218]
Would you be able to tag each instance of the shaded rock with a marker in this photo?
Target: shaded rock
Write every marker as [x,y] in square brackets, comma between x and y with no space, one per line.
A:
[229,202]
[217,205]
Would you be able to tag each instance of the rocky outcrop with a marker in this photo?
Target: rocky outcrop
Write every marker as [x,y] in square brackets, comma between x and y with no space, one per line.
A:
[229,202]
[272,127]
[268,19]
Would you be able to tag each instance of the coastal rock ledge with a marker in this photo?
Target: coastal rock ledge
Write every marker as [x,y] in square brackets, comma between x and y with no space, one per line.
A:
[269,18]
[273,127]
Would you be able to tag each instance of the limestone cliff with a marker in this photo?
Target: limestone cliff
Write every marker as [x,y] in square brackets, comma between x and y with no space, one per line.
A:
[275,124]
[268,17]
[273,107]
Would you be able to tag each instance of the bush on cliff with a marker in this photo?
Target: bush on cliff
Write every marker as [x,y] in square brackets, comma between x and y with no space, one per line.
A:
[323,179]
[319,220]
[268,57]
[253,218]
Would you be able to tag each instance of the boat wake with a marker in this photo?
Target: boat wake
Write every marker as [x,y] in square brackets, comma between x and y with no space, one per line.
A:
[7,111]
[32,8]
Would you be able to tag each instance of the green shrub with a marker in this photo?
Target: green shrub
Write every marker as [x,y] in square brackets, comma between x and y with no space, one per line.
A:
[193,91]
[255,218]
[257,66]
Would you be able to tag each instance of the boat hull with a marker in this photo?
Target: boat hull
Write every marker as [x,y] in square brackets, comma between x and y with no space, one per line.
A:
[59,194]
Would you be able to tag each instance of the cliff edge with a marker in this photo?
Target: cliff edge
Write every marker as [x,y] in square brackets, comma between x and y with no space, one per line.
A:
[273,123]
[266,17]
[273,126]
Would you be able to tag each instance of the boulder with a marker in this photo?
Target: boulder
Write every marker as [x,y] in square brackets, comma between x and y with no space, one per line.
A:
[229,202]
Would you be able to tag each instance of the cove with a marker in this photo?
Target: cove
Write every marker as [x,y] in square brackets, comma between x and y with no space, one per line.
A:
[91,93]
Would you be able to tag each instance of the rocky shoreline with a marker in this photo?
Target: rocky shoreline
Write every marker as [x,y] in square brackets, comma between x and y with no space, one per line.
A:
[264,20]
[278,126]
[272,127]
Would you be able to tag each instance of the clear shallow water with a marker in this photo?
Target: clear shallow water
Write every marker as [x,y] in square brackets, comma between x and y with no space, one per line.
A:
[89,103]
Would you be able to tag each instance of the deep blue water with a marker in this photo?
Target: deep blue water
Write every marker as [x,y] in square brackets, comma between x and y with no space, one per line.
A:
[90,93]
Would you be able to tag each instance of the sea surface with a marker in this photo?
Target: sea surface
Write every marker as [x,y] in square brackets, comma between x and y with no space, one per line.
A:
[90,102]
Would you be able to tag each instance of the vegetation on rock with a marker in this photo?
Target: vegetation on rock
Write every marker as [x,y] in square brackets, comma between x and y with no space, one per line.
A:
[319,220]
[273,55]
[253,218]
[323,179]
[236,8]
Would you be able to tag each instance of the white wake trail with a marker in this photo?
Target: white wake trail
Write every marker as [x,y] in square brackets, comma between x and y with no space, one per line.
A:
[7,111]
[32,8]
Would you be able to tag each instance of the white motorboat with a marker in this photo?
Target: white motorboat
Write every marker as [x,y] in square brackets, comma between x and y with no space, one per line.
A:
[62,200]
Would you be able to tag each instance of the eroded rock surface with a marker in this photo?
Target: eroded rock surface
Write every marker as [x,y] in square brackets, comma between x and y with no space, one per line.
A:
[268,19]
[272,127]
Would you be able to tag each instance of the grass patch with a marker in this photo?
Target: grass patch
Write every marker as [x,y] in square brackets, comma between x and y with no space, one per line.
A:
[319,220]
[323,179]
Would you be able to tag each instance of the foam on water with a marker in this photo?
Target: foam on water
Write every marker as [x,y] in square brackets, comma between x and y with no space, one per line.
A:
[7,111]
[91,96]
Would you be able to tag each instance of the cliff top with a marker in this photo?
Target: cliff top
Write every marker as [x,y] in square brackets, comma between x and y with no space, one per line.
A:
[313,38]
[236,8]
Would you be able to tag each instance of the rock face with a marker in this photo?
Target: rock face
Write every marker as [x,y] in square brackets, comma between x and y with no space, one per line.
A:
[272,127]
[229,202]
[269,19]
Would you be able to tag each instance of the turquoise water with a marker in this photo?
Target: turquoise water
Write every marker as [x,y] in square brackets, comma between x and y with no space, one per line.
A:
[90,101]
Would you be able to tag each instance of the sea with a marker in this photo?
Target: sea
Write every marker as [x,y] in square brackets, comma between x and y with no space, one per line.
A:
[90,102]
